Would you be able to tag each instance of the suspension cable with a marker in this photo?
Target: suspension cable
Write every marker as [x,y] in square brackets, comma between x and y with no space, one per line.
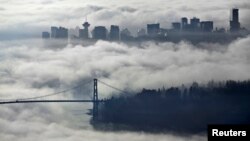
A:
[124,92]
[52,94]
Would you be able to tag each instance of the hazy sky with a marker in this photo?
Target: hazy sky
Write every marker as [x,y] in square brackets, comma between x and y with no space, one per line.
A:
[27,17]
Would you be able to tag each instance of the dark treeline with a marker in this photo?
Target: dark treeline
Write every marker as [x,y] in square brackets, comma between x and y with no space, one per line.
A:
[180,109]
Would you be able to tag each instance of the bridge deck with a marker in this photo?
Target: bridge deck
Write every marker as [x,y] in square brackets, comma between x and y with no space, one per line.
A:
[48,101]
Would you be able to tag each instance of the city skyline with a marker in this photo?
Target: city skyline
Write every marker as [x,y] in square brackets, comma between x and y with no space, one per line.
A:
[29,18]
[191,29]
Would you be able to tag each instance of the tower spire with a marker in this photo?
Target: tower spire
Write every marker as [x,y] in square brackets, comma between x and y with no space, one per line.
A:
[84,33]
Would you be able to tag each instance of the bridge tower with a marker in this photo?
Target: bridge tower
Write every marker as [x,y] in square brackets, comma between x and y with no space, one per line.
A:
[95,100]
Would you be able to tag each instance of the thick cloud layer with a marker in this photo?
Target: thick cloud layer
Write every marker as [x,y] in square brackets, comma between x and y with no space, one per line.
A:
[128,67]
[33,68]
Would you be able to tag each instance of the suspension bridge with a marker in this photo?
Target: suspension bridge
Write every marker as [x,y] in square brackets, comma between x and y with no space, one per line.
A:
[39,99]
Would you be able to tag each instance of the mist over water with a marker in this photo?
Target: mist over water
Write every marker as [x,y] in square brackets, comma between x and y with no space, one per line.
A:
[34,67]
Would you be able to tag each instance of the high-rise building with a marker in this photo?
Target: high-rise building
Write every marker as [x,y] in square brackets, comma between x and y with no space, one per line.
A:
[184,23]
[141,32]
[54,31]
[60,32]
[176,26]
[114,33]
[45,35]
[73,32]
[153,29]
[207,26]
[100,32]
[194,24]
[126,35]
[234,22]
[84,33]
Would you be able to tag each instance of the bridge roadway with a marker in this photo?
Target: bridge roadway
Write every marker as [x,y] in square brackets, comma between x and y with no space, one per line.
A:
[50,101]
